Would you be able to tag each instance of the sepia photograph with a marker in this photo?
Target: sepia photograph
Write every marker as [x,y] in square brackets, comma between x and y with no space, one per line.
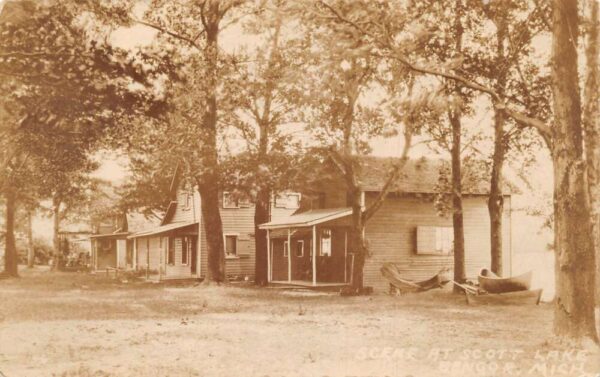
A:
[299,188]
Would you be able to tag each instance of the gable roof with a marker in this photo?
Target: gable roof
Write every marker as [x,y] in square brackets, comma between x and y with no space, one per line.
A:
[418,176]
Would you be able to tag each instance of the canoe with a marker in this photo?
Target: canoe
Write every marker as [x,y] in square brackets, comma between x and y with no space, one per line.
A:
[509,298]
[491,283]
[400,285]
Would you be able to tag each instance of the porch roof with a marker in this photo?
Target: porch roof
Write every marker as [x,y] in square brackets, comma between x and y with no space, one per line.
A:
[110,235]
[308,218]
[161,229]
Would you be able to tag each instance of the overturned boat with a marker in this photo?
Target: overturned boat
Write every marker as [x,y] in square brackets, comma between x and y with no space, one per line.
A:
[492,283]
[400,285]
[508,298]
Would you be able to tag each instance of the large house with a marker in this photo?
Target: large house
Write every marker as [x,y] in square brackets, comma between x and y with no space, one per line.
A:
[407,230]
[177,248]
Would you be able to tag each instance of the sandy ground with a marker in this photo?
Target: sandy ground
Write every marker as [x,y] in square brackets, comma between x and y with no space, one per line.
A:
[70,324]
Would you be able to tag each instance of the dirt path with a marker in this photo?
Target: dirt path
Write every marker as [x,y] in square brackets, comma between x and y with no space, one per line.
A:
[52,327]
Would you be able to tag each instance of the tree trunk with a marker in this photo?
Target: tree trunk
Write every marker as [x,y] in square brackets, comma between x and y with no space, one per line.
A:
[56,235]
[213,227]
[30,249]
[496,198]
[209,182]
[457,209]
[10,251]
[591,125]
[357,239]
[261,216]
[575,263]
[263,199]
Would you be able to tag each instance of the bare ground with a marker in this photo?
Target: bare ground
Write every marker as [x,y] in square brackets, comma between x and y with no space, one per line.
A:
[74,324]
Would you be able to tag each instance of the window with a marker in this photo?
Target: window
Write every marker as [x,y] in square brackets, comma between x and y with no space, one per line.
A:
[106,244]
[293,201]
[228,200]
[173,244]
[435,240]
[285,248]
[299,249]
[187,200]
[280,201]
[326,242]
[288,201]
[230,246]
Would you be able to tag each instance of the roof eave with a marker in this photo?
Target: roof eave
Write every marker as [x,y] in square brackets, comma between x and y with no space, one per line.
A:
[303,224]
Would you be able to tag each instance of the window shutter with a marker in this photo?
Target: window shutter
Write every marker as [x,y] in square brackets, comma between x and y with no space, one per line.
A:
[245,247]
[427,240]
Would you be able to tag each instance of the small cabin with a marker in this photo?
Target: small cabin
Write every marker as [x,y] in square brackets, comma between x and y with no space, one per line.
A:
[110,247]
[310,247]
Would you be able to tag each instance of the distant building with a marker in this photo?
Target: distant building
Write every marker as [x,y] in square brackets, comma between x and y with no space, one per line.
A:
[109,245]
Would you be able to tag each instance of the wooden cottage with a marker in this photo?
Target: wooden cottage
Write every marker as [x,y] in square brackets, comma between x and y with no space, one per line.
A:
[177,248]
[407,230]
[109,244]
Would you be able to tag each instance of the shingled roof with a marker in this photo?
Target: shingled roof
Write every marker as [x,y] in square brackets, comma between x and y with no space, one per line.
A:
[418,176]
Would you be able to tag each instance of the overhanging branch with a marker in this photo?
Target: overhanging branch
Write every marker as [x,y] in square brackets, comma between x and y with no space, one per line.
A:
[497,99]
[173,34]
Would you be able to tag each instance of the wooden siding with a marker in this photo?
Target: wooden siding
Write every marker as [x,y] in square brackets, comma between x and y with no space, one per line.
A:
[236,221]
[239,222]
[183,213]
[391,235]
[177,270]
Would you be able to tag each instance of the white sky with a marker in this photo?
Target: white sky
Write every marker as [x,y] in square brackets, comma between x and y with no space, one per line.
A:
[114,168]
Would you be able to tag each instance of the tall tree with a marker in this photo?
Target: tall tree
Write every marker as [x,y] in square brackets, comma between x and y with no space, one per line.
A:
[263,113]
[509,69]
[591,122]
[446,128]
[455,119]
[575,260]
[342,120]
[193,29]
[575,266]
[70,189]
[67,89]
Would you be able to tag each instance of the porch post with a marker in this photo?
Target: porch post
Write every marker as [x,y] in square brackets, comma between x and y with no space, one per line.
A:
[95,250]
[160,257]
[345,255]
[135,264]
[314,261]
[289,247]
[268,255]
